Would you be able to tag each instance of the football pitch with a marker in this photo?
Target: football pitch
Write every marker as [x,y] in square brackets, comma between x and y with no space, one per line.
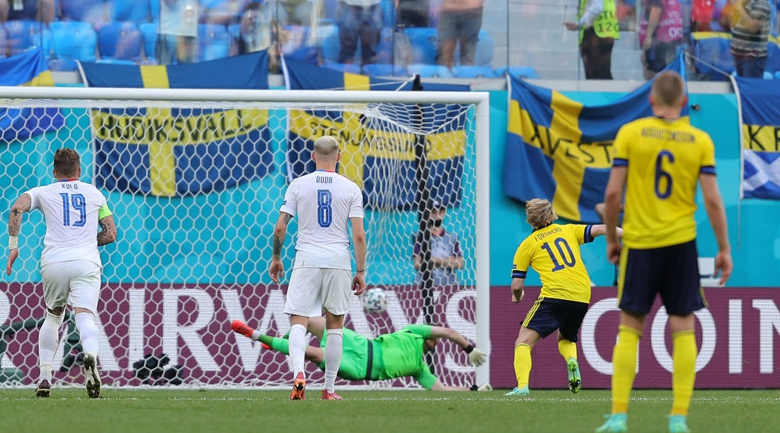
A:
[373,411]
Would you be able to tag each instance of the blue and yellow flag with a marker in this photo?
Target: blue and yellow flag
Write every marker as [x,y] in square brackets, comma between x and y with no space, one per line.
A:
[761,138]
[378,141]
[27,69]
[171,152]
[561,150]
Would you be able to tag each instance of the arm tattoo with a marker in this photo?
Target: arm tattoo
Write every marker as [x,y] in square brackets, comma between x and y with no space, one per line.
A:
[102,236]
[22,205]
[278,241]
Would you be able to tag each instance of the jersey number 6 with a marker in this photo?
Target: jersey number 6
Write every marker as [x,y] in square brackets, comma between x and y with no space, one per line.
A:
[661,174]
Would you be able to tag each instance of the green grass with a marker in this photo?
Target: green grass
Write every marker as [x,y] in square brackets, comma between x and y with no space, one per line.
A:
[236,411]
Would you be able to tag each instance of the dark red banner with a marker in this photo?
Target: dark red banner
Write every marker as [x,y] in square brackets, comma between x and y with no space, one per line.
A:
[737,336]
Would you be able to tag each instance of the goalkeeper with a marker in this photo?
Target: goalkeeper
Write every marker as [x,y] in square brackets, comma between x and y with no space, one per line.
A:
[389,356]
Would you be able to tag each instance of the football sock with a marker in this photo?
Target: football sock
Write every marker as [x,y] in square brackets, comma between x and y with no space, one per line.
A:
[297,347]
[567,349]
[522,364]
[278,344]
[624,361]
[684,373]
[333,357]
[48,340]
[88,332]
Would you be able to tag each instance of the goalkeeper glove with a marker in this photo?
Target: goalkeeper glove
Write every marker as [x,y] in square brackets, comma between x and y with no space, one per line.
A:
[483,387]
[476,356]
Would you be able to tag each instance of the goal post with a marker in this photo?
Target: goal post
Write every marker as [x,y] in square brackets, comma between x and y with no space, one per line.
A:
[189,259]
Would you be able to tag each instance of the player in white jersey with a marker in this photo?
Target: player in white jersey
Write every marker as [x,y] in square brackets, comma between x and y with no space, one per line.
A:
[70,262]
[324,202]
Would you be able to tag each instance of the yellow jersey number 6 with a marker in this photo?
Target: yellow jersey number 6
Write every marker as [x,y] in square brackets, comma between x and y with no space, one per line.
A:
[663,189]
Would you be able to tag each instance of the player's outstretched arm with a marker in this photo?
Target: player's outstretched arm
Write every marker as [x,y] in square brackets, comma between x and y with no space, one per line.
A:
[359,241]
[612,198]
[276,269]
[476,356]
[713,203]
[597,230]
[107,234]
[23,204]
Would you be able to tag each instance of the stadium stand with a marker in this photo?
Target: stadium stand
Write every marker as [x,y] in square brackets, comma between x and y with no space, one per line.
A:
[120,41]
[23,35]
[213,42]
[518,71]
[473,72]
[430,71]
[136,11]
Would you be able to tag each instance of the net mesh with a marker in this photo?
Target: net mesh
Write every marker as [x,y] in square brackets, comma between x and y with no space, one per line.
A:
[195,188]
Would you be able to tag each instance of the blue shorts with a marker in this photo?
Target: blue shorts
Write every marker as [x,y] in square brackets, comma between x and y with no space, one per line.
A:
[549,314]
[672,272]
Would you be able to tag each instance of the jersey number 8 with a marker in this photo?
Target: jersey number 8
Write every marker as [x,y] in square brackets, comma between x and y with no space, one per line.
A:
[324,207]
[661,174]
[79,203]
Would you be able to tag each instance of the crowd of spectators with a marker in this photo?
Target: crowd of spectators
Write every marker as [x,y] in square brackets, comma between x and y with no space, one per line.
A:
[436,37]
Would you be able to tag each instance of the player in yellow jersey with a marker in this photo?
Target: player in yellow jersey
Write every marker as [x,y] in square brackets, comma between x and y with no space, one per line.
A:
[552,250]
[659,161]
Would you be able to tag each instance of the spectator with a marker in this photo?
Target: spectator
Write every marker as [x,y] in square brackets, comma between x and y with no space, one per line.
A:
[412,13]
[750,36]
[701,15]
[598,26]
[27,10]
[459,21]
[446,255]
[256,33]
[660,34]
[359,19]
[178,31]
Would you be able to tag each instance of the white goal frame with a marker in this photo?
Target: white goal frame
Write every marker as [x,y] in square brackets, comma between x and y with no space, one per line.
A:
[481,101]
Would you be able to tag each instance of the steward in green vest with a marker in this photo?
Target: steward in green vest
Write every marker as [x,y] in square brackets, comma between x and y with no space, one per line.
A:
[598,27]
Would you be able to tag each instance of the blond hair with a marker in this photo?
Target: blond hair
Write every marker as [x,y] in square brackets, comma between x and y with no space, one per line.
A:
[668,89]
[326,147]
[540,213]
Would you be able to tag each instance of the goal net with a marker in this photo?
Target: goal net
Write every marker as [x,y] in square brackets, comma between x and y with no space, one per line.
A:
[195,182]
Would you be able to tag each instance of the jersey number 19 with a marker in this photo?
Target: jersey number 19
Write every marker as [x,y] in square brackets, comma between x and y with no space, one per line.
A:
[79,203]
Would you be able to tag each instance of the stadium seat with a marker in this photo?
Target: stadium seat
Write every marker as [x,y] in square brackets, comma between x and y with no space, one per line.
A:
[213,42]
[381,70]
[130,10]
[388,13]
[343,67]
[23,35]
[715,50]
[117,62]
[73,40]
[485,47]
[430,71]
[773,57]
[384,49]
[768,76]
[518,71]
[473,72]
[149,32]
[120,41]
[154,10]
[423,40]
[62,65]
[91,11]
[330,44]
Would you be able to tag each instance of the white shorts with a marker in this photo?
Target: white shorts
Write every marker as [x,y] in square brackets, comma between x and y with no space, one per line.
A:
[76,283]
[312,289]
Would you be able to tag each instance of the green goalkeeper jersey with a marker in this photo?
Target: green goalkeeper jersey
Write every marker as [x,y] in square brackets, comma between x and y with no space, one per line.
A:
[393,356]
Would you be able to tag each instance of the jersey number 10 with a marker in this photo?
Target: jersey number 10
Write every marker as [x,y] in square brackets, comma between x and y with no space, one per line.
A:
[79,203]
[569,261]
